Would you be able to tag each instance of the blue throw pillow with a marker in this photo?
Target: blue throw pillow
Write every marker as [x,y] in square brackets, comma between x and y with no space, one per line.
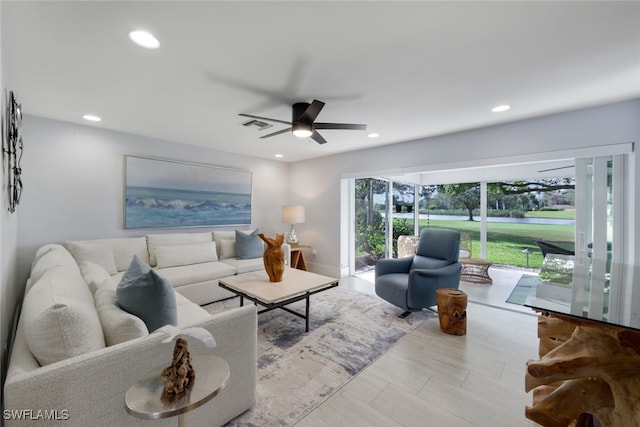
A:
[143,293]
[248,245]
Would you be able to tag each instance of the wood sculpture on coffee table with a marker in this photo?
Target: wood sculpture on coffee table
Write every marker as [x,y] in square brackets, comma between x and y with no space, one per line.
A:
[179,376]
[273,257]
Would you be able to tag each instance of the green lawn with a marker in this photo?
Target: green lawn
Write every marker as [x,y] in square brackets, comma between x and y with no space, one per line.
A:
[506,241]
[563,214]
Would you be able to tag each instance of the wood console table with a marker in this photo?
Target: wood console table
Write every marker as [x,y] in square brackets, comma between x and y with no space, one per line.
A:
[586,367]
[589,366]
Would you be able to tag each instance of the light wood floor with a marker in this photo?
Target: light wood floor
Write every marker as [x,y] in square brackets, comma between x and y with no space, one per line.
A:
[433,379]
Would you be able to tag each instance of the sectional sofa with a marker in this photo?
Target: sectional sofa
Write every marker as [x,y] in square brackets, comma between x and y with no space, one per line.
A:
[76,352]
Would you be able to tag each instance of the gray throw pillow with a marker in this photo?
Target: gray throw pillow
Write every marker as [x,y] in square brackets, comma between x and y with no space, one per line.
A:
[248,245]
[143,293]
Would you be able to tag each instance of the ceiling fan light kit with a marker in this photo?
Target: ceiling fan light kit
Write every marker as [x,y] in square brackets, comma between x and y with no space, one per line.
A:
[303,125]
[302,130]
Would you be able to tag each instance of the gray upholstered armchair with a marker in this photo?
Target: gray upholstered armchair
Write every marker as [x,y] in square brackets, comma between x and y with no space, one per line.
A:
[411,282]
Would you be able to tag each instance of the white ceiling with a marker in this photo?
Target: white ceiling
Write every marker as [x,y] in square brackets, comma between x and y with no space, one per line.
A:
[407,69]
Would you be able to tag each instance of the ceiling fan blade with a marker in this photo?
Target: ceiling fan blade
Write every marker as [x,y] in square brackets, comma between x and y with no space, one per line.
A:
[318,138]
[276,133]
[347,126]
[264,118]
[312,111]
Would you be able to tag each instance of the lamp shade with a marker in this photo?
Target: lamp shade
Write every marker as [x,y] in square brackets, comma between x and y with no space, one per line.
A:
[293,214]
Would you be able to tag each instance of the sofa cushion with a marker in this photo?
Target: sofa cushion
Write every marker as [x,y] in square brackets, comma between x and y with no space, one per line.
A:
[144,293]
[227,248]
[245,265]
[93,274]
[188,274]
[117,325]
[248,245]
[125,248]
[195,253]
[155,240]
[95,251]
[122,249]
[60,318]
[48,256]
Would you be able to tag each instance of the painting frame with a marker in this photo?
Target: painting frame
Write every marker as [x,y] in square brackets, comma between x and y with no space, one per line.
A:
[163,193]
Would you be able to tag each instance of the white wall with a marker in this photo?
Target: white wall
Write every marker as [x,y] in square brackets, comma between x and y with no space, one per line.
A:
[8,237]
[74,182]
[316,183]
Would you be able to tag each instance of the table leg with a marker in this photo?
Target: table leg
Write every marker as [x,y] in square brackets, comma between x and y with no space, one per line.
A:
[181,420]
[307,313]
[241,300]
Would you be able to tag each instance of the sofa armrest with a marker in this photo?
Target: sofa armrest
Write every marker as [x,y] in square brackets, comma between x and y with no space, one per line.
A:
[286,248]
[91,387]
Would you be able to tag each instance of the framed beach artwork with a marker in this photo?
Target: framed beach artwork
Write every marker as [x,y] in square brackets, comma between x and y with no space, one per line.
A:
[165,193]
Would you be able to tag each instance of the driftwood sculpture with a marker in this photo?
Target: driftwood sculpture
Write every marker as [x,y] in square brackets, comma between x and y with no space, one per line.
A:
[180,375]
[273,257]
[596,370]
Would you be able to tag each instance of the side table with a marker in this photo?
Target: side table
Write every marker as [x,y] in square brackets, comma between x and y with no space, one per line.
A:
[297,257]
[146,399]
[452,310]
[475,270]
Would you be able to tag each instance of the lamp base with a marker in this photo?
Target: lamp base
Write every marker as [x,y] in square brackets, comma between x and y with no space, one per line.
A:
[292,237]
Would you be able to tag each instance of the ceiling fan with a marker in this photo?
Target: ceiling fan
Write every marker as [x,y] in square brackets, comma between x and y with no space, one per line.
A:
[303,124]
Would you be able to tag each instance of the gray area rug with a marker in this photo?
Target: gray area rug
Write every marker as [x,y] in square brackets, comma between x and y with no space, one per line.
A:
[297,371]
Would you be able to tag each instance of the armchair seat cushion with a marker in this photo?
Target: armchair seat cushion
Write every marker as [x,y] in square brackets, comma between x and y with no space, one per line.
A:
[393,288]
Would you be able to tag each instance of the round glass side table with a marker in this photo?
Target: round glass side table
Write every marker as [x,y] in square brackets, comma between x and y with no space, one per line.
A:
[145,399]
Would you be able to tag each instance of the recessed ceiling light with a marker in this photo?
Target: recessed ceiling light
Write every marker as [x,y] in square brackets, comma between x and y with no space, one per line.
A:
[144,39]
[279,156]
[501,108]
[91,118]
[373,135]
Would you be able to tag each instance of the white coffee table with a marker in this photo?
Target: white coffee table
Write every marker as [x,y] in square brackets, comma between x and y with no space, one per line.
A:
[296,285]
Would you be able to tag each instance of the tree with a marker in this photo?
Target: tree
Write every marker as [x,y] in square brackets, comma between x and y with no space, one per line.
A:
[533,186]
[365,190]
[465,195]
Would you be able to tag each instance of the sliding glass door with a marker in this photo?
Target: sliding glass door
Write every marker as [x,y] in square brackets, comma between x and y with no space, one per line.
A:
[597,274]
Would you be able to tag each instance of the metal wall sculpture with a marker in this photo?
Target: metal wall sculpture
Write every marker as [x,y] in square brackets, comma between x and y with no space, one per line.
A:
[12,151]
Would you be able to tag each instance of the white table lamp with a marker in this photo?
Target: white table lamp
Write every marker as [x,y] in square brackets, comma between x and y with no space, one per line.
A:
[293,214]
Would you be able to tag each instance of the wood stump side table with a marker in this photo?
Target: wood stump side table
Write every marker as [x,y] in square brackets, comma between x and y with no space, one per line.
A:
[146,398]
[452,310]
[475,270]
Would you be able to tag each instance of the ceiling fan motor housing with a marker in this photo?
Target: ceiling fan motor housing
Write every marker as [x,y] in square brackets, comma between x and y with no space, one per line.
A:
[297,111]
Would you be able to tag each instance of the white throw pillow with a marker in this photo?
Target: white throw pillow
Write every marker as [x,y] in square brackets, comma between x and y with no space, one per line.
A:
[227,248]
[196,253]
[98,252]
[93,274]
[156,240]
[49,256]
[60,318]
[117,325]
